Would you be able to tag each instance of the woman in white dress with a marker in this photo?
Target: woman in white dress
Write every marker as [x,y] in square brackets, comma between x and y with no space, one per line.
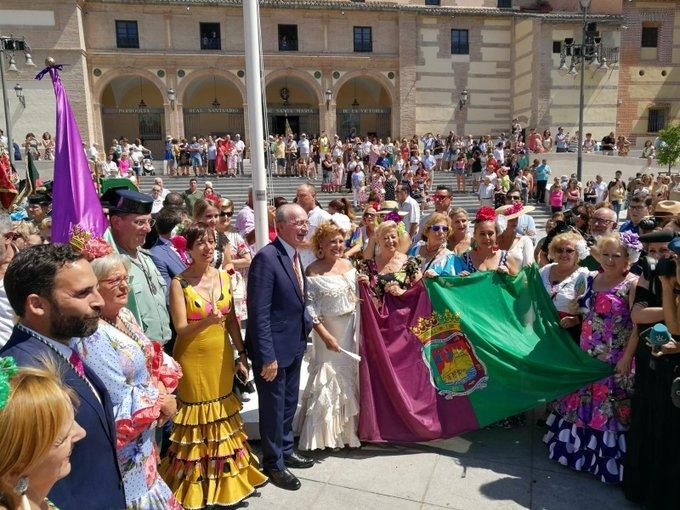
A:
[329,410]
[520,248]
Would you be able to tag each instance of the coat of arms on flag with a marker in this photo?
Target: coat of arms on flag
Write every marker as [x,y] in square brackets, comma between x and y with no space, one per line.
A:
[454,366]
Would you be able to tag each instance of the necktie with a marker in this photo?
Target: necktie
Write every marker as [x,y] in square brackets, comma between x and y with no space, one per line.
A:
[298,273]
[77,363]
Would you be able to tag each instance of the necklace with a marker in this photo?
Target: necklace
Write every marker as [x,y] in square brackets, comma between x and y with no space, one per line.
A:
[145,270]
[128,331]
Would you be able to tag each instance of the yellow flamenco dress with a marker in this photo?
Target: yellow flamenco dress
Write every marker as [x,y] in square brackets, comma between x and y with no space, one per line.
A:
[209,461]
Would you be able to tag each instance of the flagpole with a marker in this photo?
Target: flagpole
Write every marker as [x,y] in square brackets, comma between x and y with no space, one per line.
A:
[253,52]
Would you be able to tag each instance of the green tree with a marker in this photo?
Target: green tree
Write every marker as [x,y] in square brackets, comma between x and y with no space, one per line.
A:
[668,149]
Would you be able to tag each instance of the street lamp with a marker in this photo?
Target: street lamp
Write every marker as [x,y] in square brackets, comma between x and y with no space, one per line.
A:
[463,99]
[9,44]
[329,96]
[590,52]
[171,98]
[19,90]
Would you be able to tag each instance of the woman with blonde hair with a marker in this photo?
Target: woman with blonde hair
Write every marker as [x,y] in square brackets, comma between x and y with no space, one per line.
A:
[459,240]
[329,410]
[37,434]
[586,430]
[435,258]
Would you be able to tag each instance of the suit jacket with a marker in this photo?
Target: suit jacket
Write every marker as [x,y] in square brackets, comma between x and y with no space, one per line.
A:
[166,260]
[278,322]
[95,480]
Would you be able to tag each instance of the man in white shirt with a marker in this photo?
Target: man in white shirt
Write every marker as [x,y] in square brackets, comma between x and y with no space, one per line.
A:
[428,161]
[240,147]
[600,188]
[164,191]
[306,198]
[499,153]
[303,148]
[408,205]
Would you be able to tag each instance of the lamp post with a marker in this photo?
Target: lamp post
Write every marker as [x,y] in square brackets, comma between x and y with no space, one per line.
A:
[329,96]
[9,44]
[589,51]
[581,94]
[463,99]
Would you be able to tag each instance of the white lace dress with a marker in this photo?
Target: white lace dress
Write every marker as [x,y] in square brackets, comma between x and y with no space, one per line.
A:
[329,410]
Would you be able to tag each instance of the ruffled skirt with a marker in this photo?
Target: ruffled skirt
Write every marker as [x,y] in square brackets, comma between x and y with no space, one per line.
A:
[209,461]
[599,452]
[329,410]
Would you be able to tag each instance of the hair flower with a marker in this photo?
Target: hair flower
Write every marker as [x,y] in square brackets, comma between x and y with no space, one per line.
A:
[631,242]
[392,216]
[485,213]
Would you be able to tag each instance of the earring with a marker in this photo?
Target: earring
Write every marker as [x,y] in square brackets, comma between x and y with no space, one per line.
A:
[22,486]
[319,253]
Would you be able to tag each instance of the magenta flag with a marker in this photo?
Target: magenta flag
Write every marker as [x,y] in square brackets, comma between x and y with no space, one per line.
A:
[398,401]
[74,196]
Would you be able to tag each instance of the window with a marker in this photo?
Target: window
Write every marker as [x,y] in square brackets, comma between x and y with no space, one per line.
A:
[459,42]
[505,4]
[127,35]
[432,2]
[650,36]
[288,38]
[657,118]
[210,36]
[557,47]
[363,39]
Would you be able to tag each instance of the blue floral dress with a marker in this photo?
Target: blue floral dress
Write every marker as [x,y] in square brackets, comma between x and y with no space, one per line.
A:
[130,366]
[586,430]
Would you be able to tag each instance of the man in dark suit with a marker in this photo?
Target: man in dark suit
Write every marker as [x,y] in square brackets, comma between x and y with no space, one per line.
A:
[53,291]
[164,255]
[276,337]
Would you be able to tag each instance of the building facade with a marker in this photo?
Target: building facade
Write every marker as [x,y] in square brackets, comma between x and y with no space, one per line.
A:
[149,69]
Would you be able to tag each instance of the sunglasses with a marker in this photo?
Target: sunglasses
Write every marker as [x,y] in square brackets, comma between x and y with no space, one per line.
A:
[437,228]
[227,214]
[568,251]
[514,197]
[439,197]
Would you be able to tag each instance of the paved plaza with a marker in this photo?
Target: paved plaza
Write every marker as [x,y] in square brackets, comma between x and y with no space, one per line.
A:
[488,469]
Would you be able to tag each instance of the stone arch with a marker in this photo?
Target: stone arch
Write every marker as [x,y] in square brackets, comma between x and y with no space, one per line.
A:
[306,78]
[123,72]
[378,77]
[194,76]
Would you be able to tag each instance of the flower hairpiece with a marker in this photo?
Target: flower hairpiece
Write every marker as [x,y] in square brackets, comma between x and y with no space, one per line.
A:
[90,247]
[631,242]
[392,216]
[582,249]
[8,369]
[485,213]
[514,208]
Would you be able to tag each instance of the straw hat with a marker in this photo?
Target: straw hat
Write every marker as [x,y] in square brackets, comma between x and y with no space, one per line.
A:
[515,210]
[667,208]
[389,206]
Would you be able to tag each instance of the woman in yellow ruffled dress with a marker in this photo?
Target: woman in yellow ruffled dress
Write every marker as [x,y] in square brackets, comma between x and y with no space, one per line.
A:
[209,461]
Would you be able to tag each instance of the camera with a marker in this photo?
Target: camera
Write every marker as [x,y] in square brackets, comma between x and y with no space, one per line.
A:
[647,224]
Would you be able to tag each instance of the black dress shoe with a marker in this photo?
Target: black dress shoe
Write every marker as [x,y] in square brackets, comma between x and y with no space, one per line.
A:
[297,461]
[283,479]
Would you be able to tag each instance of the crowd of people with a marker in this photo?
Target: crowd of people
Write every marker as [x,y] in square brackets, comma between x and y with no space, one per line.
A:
[139,335]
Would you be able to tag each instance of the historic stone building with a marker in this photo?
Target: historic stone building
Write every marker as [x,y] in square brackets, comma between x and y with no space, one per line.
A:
[152,68]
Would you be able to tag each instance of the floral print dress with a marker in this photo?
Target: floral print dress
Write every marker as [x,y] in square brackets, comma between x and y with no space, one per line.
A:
[130,366]
[586,430]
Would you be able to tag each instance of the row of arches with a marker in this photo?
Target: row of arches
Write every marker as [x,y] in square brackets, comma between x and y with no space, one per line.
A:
[213,102]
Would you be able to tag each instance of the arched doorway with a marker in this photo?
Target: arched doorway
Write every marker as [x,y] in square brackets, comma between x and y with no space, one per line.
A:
[363,107]
[132,107]
[292,106]
[213,105]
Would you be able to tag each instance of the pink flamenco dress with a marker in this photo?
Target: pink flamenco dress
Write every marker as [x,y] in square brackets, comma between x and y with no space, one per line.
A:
[209,461]
[131,367]
[586,430]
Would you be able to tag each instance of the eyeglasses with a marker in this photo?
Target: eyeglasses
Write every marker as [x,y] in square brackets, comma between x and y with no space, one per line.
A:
[299,223]
[117,281]
[227,214]
[141,223]
[437,228]
[568,251]
[636,207]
